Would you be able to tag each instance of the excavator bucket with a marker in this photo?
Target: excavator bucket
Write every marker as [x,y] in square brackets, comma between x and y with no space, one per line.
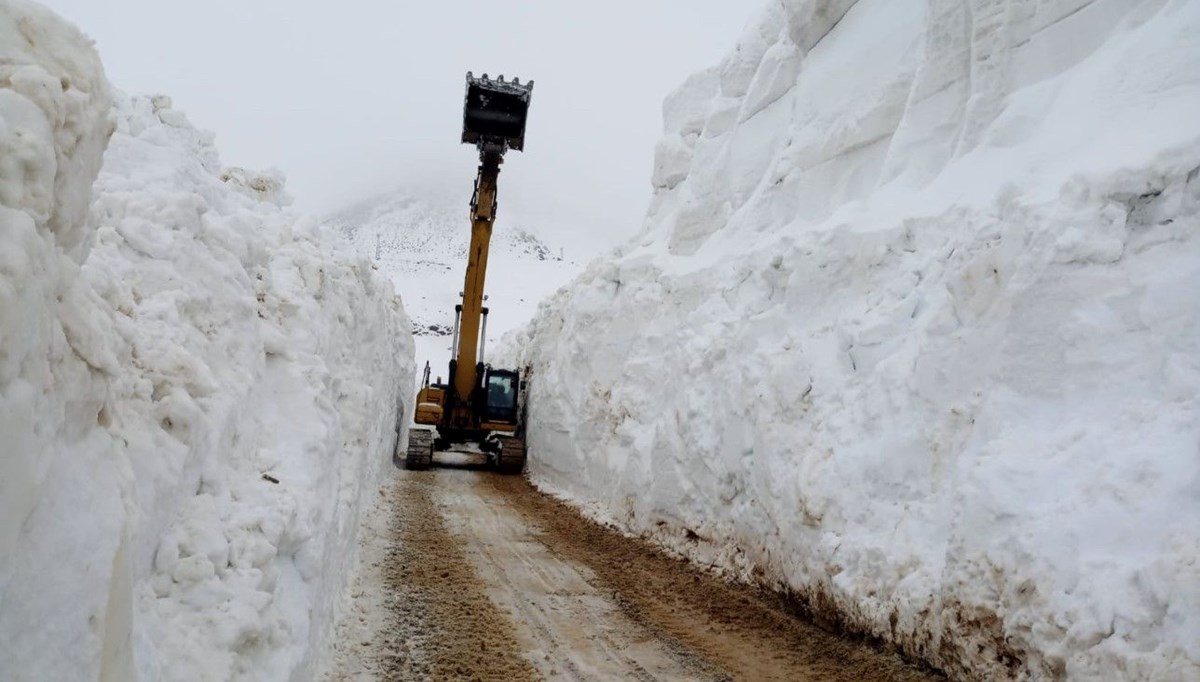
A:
[494,112]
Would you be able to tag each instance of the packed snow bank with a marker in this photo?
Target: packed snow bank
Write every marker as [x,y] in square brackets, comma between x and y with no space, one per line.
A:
[54,123]
[198,389]
[913,331]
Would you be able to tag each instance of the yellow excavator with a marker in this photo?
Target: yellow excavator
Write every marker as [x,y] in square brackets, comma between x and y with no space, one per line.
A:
[478,403]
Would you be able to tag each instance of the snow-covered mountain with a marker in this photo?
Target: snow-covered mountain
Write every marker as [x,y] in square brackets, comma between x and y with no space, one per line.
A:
[913,332]
[421,244]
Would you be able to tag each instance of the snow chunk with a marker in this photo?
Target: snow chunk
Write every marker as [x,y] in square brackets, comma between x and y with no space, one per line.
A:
[54,107]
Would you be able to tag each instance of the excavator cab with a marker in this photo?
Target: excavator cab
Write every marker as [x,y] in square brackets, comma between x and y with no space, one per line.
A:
[502,387]
[495,111]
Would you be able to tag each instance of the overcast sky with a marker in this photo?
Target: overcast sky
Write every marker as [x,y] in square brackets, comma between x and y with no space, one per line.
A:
[358,97]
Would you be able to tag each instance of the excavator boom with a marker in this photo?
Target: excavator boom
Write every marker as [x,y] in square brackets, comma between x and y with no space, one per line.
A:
[483,212]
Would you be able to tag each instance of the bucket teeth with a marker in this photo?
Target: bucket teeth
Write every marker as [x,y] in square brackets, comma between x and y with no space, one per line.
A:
[494,112]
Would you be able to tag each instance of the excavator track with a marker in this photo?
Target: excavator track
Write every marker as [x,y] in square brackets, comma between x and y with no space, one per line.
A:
[511,458]
[420,450]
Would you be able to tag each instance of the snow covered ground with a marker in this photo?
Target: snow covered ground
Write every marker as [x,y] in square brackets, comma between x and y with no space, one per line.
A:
[913,331]
[198,389]
[420,242]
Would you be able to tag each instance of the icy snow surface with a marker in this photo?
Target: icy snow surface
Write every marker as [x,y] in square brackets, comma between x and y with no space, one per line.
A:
[913,330]
[158,361]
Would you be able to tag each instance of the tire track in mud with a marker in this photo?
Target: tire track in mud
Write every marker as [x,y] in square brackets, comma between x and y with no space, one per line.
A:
[568,627]
[736,628]
[469,575]
[443,626]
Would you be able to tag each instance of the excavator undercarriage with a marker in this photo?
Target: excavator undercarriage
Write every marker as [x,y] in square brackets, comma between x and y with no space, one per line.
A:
[478,403]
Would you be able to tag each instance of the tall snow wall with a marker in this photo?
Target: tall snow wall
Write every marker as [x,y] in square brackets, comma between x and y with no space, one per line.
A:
[198,389]
[912,331]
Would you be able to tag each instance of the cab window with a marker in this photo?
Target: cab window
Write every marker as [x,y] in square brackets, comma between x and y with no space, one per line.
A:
[501,393]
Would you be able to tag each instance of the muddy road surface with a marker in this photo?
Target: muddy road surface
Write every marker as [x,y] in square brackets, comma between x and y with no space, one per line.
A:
[467,575]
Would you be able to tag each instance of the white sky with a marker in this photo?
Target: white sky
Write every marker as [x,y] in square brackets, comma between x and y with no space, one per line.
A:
[358,97]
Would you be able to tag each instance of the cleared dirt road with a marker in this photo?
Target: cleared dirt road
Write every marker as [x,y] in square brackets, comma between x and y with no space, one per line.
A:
[469,575]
